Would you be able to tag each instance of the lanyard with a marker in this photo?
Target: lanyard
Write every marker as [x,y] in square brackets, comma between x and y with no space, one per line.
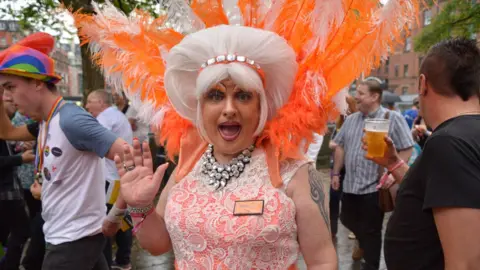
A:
[42,140]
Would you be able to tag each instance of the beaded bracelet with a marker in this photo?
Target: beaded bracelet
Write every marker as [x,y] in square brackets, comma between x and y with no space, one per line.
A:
[143,213]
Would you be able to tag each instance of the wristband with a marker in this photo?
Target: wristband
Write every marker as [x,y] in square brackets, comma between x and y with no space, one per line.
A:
[116,215]
[334,174]
[395,166]
[390,170]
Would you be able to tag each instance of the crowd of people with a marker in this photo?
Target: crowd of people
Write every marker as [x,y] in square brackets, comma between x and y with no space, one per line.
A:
[240,110]
[435,209]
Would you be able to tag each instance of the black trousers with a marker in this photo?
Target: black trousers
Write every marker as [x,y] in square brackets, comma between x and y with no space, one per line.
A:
[82,254]
[15,224]
[124,240]
[335,196]
[362,215]
[35,252]
[334,203]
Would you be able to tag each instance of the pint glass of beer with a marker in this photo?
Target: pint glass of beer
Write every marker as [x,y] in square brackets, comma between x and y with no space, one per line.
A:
[375,131]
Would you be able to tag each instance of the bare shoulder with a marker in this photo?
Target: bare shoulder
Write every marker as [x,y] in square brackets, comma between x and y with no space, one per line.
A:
[306,177]
[308,188]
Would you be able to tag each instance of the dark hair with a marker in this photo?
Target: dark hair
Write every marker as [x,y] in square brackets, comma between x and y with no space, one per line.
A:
[416,102]
[452,67]
[374,87]
[51,87]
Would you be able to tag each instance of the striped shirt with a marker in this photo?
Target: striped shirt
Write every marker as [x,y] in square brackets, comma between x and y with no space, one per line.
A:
[361,174]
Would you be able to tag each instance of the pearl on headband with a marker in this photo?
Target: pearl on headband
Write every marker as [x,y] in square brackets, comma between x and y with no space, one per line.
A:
[224,59]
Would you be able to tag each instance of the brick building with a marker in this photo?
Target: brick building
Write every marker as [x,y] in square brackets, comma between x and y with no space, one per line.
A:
[67,58]
[9,33]
[400,72]
[75,70]
[62,64]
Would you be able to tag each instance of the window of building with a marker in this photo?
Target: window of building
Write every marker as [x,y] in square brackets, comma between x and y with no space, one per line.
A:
[404,90]
[3,41]
[408,44]
[387,63]
[13,27]
[427,17]
[405,70]
[397,67]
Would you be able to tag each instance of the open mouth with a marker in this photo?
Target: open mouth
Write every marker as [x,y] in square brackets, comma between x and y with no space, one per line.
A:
[229,130]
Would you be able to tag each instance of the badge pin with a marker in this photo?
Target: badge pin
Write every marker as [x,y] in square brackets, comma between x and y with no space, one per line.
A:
[47,151]
[47,174]
[57,151]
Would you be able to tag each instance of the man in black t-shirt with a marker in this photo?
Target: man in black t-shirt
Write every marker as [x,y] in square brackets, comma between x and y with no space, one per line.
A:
[436,222]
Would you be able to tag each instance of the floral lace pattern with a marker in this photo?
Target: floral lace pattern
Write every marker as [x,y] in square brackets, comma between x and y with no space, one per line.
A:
[206,235]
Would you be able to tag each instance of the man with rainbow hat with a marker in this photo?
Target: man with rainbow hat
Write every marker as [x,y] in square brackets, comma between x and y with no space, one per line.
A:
[70,147]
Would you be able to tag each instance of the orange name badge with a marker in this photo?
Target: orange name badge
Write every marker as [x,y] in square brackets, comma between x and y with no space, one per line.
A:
[248,208]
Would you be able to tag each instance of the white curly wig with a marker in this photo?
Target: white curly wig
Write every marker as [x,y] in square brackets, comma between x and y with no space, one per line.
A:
[186,81]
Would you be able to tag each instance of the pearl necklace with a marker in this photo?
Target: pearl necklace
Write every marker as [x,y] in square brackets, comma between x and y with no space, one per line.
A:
[218,174]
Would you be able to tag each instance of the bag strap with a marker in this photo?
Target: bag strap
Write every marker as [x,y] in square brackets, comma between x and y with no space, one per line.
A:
[380,168]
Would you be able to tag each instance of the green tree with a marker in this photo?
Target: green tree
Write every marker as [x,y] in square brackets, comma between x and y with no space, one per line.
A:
[457,18]
[38,15]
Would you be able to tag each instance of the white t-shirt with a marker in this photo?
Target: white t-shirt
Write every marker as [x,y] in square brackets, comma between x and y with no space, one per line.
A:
[115,121]
[73,191]
[142,129]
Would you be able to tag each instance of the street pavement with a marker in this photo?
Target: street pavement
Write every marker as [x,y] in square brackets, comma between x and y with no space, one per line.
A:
[142,260]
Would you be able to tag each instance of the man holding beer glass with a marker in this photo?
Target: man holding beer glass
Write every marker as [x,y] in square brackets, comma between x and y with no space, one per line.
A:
[437,217]
[360,208]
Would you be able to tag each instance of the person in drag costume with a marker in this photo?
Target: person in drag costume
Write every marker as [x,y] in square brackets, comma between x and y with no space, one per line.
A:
[236,89]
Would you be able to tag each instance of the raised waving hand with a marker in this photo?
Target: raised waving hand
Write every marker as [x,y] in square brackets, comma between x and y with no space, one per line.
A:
[138,184]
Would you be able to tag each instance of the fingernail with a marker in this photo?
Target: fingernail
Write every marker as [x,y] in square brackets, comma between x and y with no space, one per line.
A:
[135,138]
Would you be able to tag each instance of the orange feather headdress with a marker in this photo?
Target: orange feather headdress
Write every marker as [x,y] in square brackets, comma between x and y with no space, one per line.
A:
[334,42]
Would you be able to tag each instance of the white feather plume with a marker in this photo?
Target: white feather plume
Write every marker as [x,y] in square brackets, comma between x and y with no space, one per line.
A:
[340,100]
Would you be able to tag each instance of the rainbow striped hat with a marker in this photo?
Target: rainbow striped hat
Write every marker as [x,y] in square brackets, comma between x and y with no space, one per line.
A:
[29,58]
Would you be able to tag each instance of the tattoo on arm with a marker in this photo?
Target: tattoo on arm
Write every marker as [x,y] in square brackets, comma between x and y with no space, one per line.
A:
[317,192]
